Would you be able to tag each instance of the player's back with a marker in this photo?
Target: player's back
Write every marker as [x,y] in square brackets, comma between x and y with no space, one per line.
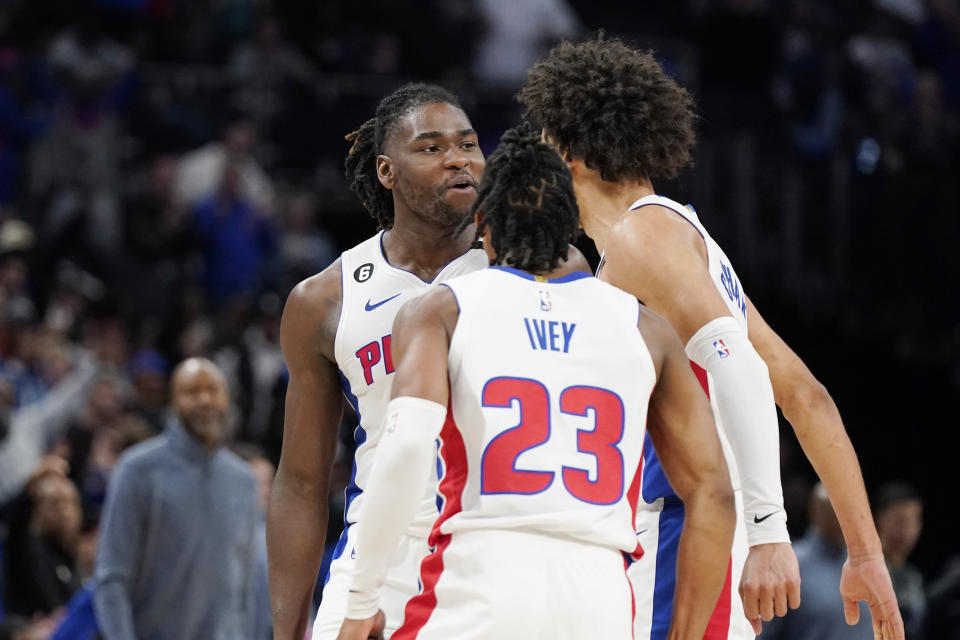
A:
[550,382]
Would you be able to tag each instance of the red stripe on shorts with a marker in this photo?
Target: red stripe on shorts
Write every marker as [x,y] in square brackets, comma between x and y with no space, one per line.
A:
[633,599]
[454,455]
[719,626]
[633,496]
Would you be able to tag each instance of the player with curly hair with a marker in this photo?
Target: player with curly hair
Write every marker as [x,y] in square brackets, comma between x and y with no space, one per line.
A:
[621,122]
[527,374]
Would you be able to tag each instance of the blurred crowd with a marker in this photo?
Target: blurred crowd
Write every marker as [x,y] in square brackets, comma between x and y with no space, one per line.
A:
[170,169]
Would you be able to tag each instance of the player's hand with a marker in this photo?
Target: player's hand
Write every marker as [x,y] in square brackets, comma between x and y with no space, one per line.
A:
[770,583]
[866,578]
[366,629]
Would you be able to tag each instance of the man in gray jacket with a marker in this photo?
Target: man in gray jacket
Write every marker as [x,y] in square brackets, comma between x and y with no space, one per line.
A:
[176,553]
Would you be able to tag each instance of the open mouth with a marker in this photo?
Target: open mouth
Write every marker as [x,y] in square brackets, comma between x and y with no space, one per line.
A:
[461,186]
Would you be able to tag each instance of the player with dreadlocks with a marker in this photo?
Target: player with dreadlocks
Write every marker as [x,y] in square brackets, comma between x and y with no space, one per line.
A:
[415,167]
[620,122]
[536,381]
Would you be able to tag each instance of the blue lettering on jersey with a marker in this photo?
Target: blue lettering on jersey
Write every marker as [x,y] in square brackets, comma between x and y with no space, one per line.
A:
[549,335]
[732,286]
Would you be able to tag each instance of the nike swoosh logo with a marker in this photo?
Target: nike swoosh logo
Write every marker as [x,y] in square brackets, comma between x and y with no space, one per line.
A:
[371,307]
[642,531]
[757,520]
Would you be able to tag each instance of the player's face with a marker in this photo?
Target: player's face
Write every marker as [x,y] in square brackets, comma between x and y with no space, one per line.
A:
[433,164]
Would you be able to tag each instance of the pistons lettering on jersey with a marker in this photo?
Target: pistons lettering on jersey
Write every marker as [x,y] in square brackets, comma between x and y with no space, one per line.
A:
[732,286]
[549,335]
[372,354]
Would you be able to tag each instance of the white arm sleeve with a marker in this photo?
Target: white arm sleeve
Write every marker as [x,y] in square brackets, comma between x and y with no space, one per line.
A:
[744,400]
[398,480]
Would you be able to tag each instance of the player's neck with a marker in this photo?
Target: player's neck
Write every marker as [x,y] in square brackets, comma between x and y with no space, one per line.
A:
[603,203]
[422,248]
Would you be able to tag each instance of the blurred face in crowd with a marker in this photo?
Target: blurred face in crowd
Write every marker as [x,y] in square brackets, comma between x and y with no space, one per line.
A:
[200,400]
[106,403]
[56,512]
[432,162]
[899,525]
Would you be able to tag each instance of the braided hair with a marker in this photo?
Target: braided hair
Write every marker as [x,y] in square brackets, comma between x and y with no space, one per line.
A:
[360,165]
[526,199]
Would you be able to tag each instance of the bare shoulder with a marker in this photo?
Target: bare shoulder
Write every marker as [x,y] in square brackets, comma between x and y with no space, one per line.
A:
[311,314]
[653,232]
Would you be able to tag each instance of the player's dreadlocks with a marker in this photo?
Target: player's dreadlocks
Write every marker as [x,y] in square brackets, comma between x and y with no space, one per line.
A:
[612,106]
[361,162]
[526,199]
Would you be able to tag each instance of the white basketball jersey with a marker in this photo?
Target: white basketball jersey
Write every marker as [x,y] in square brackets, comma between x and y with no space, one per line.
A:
[549,383]
[728,285]
[721,269]
[373,292]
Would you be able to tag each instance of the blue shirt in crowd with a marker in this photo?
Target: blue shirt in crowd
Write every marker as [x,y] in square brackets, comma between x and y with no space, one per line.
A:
[820,615]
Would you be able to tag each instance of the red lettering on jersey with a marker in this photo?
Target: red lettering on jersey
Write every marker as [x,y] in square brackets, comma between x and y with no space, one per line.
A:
[387,356]
[369,355]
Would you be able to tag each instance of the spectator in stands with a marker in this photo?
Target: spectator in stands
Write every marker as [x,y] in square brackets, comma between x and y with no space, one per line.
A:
[44,527]
[201,172]
[263,471]
[821,554]
[237,239]
[179,526]
[898,510]
[943,604]
[31,429]
[148,373]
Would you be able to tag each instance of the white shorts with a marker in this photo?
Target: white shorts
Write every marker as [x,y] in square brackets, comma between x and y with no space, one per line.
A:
[654,576]
[479,585]
[401,585]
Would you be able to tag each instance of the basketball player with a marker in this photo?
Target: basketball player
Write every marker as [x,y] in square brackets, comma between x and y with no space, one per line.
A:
[536,381]
[620,122]
[415,167]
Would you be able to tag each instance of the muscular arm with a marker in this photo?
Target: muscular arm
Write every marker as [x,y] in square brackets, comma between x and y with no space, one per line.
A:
[681,426]
[808,407]
[661,259]
[297,518]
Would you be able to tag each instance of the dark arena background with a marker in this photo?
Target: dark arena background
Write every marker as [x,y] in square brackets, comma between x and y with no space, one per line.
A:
[827,166]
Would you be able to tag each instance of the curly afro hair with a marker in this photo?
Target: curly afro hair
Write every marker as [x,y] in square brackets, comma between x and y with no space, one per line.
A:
[360,165]
[527,201]
[614,107]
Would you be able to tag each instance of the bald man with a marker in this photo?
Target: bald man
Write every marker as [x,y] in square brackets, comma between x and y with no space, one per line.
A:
[177,552]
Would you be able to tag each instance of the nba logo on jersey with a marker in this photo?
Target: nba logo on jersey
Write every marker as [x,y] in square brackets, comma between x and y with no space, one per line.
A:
[721,348]
[545,304]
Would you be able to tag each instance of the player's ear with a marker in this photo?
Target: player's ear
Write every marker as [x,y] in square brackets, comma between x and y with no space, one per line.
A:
[385,171]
